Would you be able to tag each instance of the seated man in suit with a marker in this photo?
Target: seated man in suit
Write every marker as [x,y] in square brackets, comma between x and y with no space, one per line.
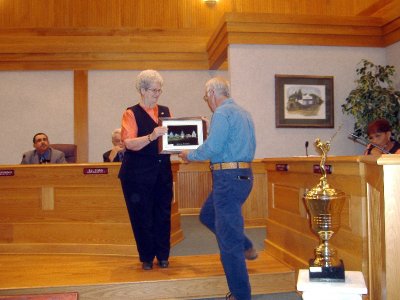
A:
[43,153]
[117,152]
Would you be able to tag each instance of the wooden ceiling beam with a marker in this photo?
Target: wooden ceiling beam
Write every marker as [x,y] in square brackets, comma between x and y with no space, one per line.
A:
[274,29]
[97,48]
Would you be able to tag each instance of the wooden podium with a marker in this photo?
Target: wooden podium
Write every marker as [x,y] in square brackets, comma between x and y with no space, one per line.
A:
[369,237]
[383,188]
[67,208]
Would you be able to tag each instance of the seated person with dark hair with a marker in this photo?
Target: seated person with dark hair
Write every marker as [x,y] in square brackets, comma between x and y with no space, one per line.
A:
[380,135]
[116,154]
[43,153]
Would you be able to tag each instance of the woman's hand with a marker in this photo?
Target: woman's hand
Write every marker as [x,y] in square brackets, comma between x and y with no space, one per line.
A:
[376,151]
[157,132]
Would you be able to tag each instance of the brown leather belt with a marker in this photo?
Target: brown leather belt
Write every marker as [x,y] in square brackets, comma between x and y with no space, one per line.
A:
[230,165]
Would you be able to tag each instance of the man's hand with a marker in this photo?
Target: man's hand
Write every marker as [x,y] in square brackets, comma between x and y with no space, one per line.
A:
[114,152]
[183,155]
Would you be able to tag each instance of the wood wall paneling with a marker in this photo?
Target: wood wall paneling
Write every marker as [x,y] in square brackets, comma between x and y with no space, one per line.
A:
[391,30]
[254,28]
[195,184]
[376,231]
[164,14]
[81,115]
[99,48]
[91,212]
[172,34]
[80,213]
[391,216]
[289,235]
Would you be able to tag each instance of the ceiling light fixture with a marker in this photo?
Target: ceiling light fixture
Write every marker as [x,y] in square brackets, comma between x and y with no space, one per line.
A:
[210,2]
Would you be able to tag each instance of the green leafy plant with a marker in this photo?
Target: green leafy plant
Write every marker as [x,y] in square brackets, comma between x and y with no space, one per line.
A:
[374,98]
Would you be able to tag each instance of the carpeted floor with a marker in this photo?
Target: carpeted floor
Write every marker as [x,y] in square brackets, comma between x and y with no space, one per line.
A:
[199,240]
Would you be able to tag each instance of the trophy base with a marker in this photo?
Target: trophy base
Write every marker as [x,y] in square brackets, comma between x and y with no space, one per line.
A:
[329,274]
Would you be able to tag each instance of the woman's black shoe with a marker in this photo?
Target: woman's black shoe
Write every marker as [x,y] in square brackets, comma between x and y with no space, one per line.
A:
[163,264]
[147,265]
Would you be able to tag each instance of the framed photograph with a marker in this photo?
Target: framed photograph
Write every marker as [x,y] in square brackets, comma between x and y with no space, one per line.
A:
[304,101]
[183,134]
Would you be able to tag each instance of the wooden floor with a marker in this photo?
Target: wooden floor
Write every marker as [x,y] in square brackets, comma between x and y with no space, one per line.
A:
[121,277]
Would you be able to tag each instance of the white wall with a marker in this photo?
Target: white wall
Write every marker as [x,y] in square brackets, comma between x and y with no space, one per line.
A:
[111,92]
[252,70]
[393,58]
[34,102]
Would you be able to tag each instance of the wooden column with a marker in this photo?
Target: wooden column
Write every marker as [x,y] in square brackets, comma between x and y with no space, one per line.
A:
[81,126]
[391,216]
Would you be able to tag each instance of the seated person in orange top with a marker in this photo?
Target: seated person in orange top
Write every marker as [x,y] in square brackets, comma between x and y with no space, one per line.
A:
[43,153]
[380,134]
[117,152]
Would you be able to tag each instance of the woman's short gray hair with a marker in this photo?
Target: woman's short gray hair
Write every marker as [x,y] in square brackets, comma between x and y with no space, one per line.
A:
[220,85]
[146,78]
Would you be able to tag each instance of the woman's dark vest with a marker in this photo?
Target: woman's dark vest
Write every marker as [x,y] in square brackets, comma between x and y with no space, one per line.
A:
[146,163]
[146,126]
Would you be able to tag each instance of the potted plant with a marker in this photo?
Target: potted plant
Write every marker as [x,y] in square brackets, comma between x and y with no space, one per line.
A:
[373,98]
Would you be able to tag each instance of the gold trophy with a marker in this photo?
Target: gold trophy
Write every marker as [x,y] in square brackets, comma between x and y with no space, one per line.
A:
[324,205]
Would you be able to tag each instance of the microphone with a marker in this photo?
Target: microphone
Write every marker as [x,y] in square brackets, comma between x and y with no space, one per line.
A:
[353,137]
[364,142]
[306,145]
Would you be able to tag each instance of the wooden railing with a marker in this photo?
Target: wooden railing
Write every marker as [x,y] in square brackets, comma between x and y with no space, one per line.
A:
[194,185]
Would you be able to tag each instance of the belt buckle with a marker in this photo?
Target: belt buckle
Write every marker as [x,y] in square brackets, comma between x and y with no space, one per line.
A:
[216,166]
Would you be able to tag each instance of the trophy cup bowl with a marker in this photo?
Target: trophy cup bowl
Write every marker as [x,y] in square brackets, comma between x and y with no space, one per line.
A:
[324,205]
[324,209]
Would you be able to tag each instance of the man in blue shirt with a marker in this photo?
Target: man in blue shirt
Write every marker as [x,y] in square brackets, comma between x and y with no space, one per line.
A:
[230,147]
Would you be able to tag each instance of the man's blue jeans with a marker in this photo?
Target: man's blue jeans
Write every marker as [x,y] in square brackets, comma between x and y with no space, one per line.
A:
[222,214]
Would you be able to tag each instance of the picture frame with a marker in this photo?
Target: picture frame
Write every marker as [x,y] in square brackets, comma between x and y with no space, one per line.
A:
[183,134]
[304,101]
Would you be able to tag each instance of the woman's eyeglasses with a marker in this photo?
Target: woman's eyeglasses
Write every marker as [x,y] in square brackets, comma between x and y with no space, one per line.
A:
[155,91]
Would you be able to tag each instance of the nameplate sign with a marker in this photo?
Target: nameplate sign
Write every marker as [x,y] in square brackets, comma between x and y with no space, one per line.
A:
[282,167]
[95,171]
[317,169]
[7,173]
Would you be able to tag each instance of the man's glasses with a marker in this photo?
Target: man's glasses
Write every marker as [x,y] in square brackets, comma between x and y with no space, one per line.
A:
[206,97]
[155,91]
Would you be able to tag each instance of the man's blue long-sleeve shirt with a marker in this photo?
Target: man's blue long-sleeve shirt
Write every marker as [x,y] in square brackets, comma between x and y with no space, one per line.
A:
[231,136]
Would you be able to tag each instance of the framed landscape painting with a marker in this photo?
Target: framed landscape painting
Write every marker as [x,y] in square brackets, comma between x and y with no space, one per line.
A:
[304,101]
[183,134]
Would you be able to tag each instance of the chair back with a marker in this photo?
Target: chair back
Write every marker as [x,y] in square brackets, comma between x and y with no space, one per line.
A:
[70,151]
